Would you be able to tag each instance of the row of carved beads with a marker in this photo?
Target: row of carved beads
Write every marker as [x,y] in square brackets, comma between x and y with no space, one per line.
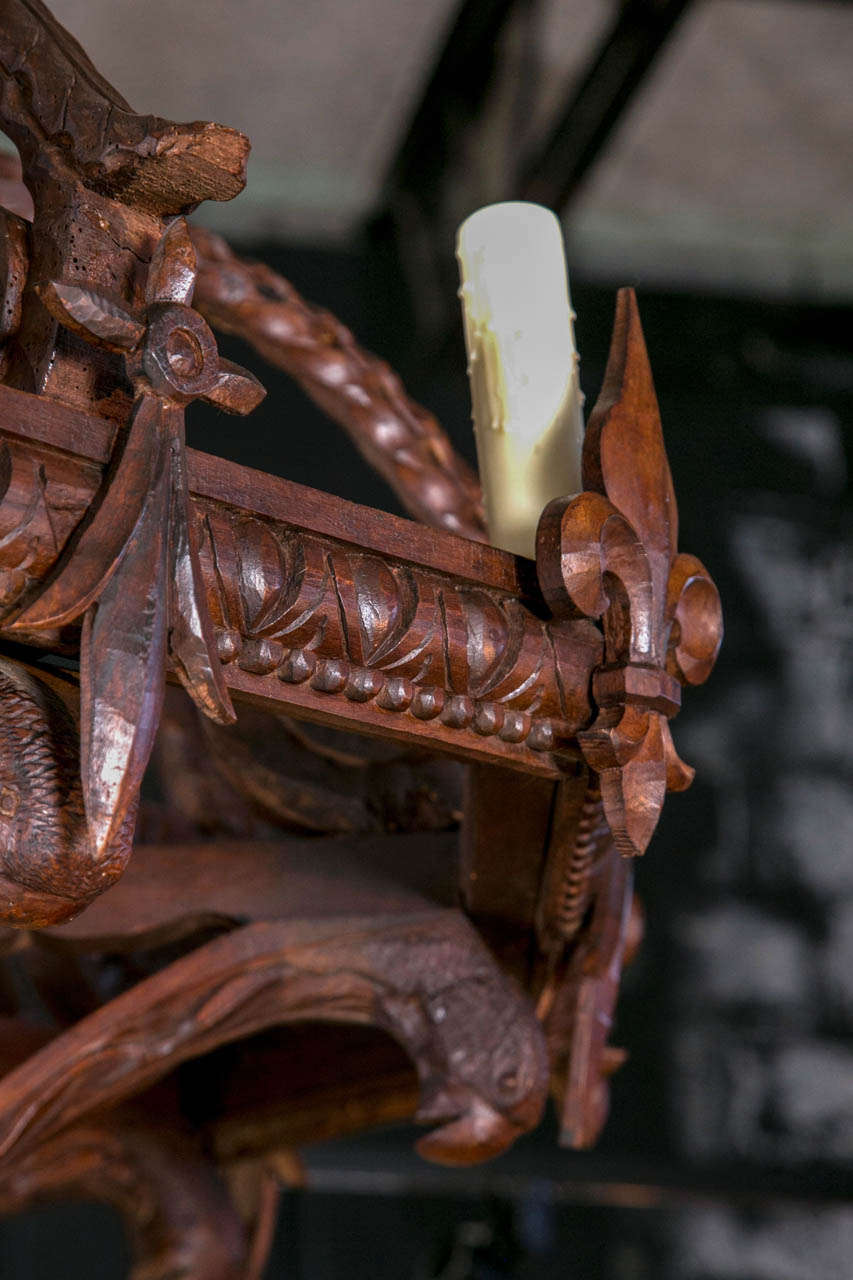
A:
[390,693]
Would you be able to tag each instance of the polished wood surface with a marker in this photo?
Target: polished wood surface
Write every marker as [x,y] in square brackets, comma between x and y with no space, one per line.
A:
[390,821]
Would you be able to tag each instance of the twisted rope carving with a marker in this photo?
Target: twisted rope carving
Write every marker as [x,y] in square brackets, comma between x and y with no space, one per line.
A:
[593,838]
[359,391]
[404,443]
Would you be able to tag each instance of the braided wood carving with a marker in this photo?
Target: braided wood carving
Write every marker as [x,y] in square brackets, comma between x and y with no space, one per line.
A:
[610,553]
[398,437]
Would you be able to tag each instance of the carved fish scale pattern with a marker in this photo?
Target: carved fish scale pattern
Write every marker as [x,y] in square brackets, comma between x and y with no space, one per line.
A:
[47,871]
[365,628]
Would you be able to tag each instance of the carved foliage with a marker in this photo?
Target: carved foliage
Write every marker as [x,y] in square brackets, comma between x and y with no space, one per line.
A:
[54,98]
[132,567]
[610,553]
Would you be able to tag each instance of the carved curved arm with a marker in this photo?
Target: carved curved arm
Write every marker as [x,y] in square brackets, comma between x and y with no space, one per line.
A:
[179,1219]
[427,980]
[359,391]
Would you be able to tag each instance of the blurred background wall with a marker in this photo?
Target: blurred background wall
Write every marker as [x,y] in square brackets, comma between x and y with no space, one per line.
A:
[701,151]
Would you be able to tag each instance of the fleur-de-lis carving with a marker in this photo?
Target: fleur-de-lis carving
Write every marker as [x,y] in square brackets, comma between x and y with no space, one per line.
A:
[132,568]
[610,553]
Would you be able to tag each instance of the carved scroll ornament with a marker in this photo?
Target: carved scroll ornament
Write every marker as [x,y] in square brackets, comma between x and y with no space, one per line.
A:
[112,265]
[255,588]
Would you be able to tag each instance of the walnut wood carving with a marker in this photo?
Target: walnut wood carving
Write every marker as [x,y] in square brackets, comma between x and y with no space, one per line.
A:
[48,868]
[610,553]
[426,979]
[102,177]
[433,638]
[144,560]
[178,1217]
[578,1009]
[399,438]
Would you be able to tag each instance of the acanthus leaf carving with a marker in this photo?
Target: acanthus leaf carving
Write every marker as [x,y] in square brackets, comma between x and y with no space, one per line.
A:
[111,571]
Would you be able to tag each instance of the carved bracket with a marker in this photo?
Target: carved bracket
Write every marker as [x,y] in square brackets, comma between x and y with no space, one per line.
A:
[132,568]
[610,553]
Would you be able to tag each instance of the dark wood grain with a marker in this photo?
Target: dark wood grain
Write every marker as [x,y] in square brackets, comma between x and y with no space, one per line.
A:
[332,629]
[426,979]
[176,1211]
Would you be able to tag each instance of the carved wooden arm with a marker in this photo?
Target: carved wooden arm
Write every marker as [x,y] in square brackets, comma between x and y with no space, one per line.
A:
[119,545]
[408,633]
[177,1214]
[424,977]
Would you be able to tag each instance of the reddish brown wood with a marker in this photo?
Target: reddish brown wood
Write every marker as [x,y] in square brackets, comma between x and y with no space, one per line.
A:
[176,1211]
[578,1009]
[293,880]
[610,552]
[475,1042]
[368,640]
[403,441]
[48,868]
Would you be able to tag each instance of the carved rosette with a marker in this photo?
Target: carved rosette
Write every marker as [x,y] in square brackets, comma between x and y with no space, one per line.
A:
[610,553]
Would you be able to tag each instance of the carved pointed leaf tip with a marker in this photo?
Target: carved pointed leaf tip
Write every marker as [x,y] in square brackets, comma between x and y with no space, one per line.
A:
[172,271]
[91,315]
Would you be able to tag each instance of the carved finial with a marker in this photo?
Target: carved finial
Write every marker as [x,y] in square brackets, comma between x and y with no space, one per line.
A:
[610,553]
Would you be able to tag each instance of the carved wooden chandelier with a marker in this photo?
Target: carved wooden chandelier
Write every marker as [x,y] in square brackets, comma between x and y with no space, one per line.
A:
[303,890]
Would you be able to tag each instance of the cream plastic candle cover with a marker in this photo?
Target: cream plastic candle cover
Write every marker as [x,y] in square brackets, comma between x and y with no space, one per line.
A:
[522,365]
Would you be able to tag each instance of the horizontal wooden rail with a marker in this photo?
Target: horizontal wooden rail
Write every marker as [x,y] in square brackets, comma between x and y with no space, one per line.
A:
[334,611]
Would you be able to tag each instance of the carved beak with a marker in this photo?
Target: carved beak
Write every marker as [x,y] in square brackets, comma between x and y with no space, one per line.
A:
[479,1133]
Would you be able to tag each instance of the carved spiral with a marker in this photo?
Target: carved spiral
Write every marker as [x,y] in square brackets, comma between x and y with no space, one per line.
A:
[573,896]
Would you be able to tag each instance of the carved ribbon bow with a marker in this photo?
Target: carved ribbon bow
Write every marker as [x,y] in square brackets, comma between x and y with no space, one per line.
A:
[132,568]
[609,553]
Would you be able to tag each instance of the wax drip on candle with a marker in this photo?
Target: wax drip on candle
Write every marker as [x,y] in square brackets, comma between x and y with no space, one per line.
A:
[527,405]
